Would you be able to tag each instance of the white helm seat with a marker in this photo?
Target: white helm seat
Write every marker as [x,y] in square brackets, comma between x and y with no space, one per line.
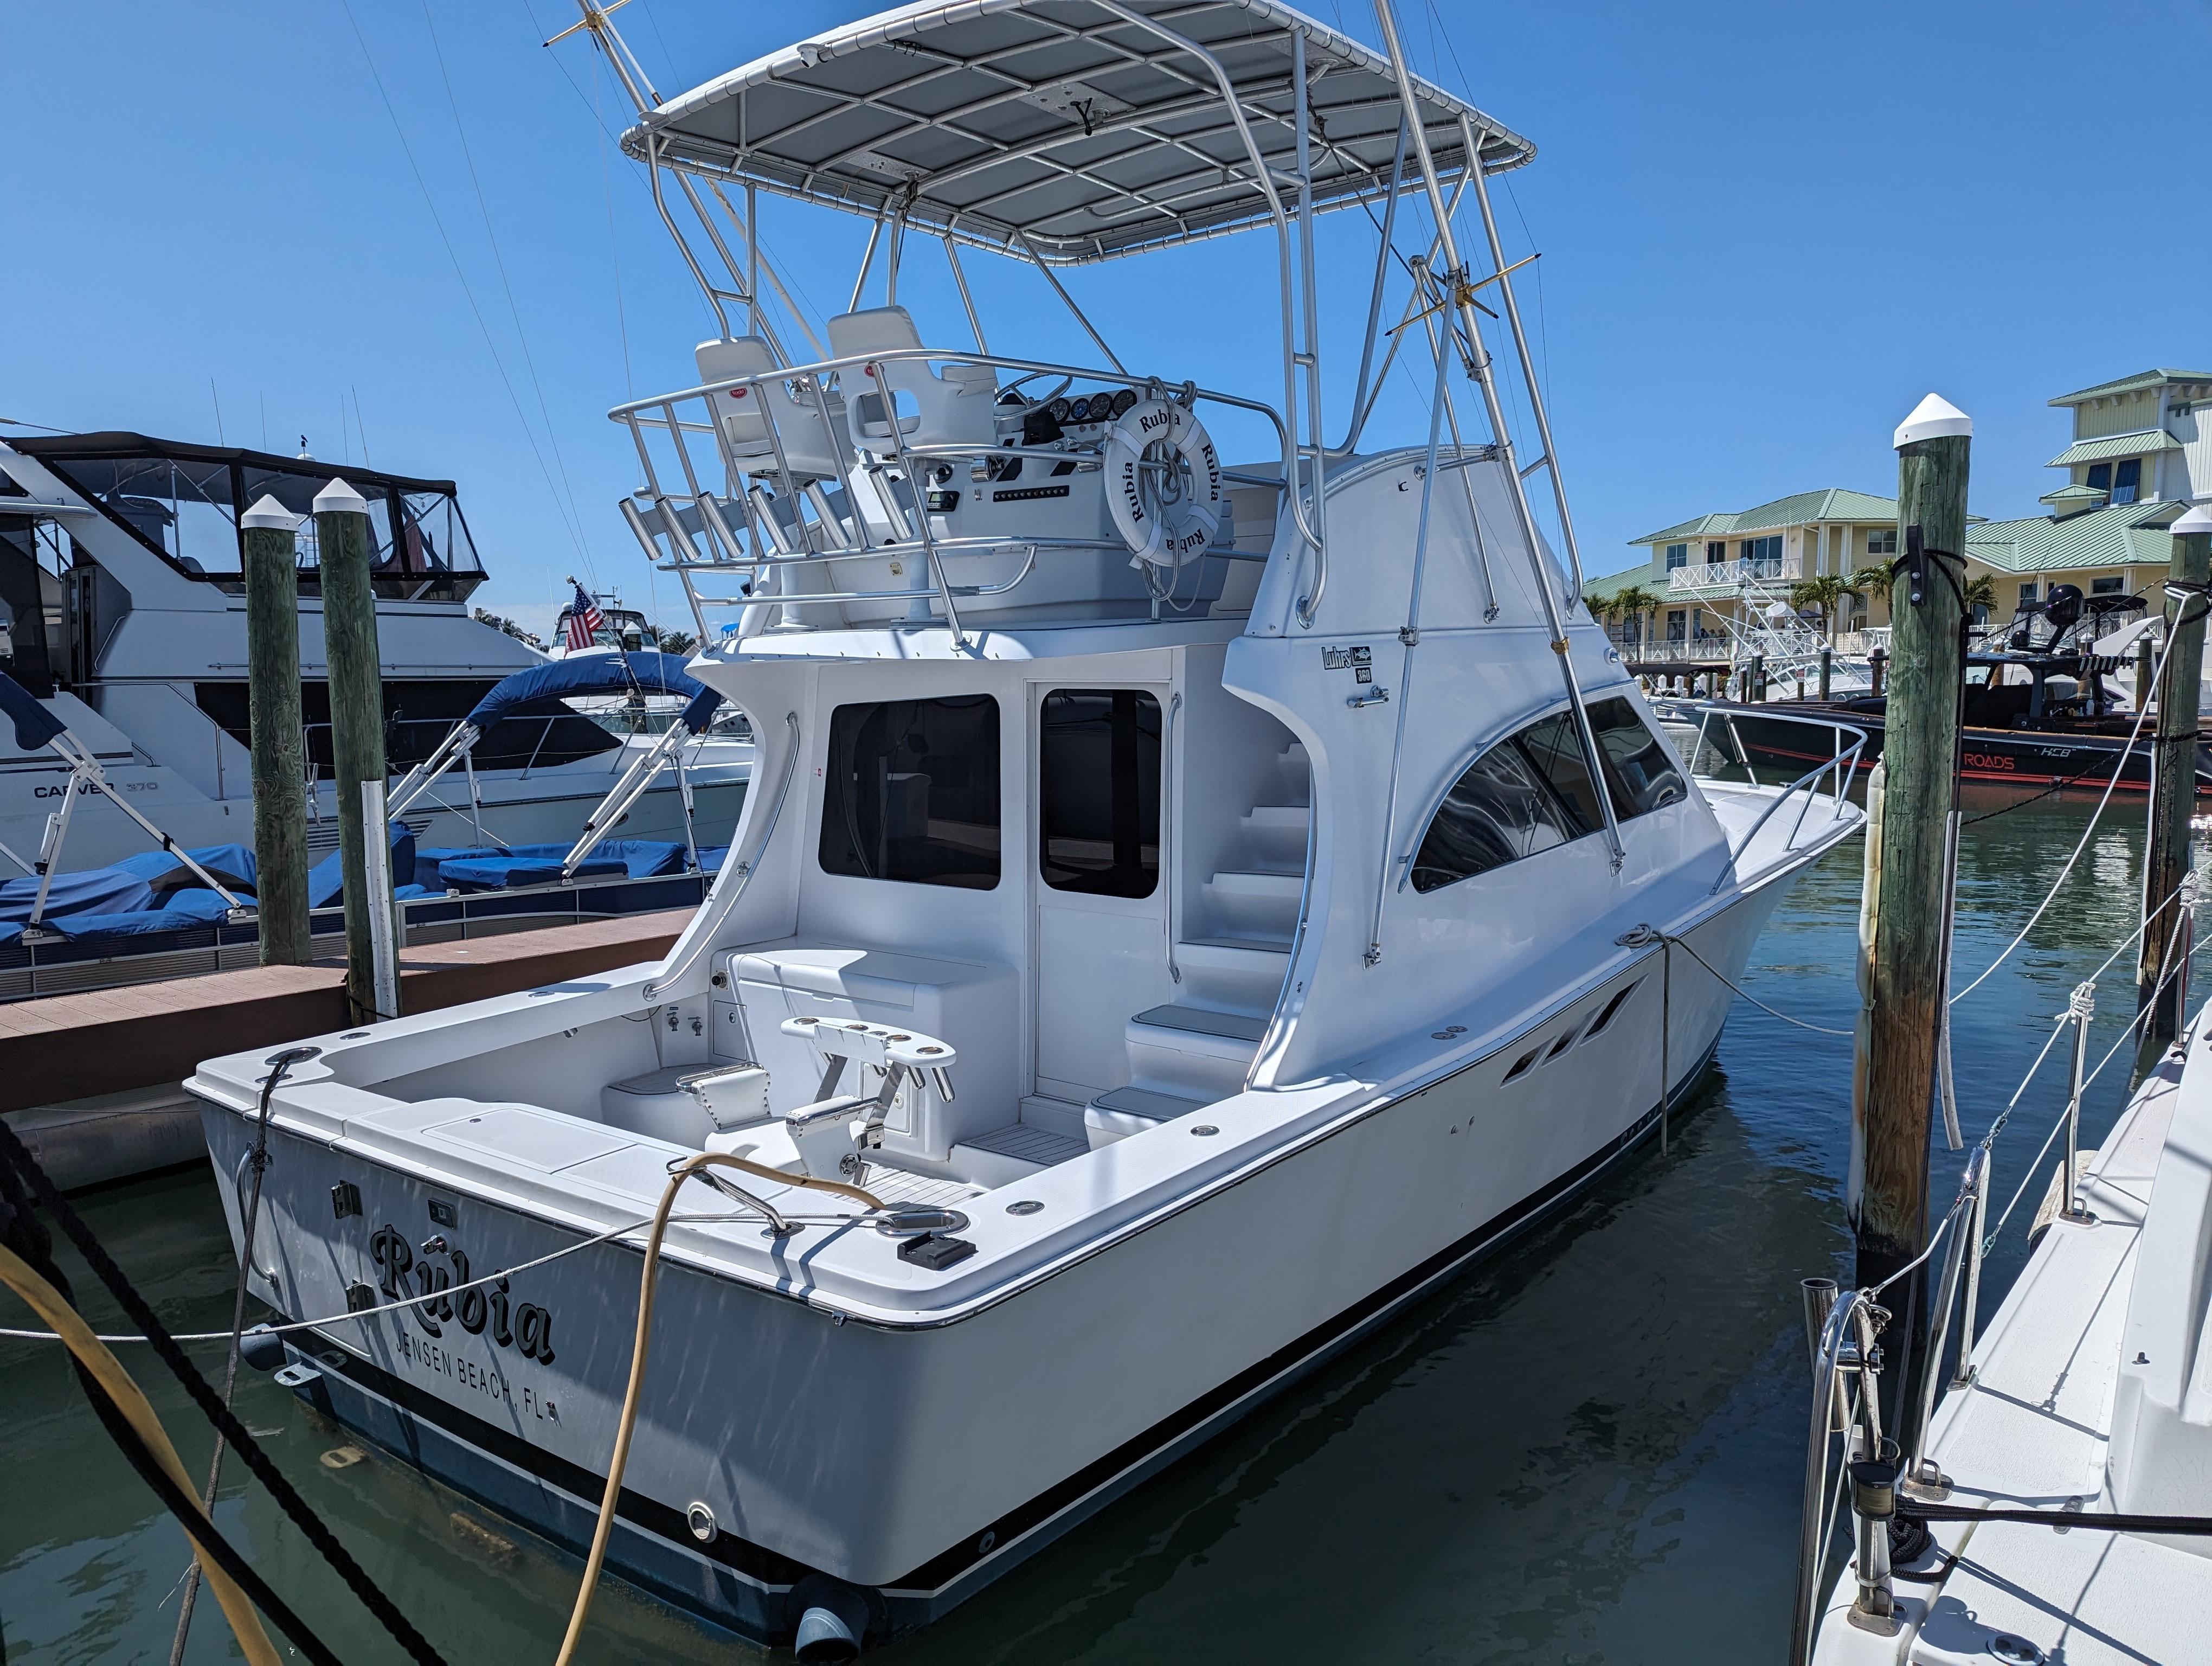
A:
[953,407]
[813,449]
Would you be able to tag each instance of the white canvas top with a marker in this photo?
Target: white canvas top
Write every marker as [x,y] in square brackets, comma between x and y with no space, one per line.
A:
[1068,121]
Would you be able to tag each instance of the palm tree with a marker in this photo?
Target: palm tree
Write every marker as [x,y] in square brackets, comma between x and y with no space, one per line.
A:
[1632,601]
[1826,591]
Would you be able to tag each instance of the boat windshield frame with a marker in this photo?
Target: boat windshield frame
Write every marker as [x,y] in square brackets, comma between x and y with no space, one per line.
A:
[427,564]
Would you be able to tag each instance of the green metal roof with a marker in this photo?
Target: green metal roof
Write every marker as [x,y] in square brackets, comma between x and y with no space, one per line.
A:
[2135,383]
[1599,589]
[1802,508]
[2124,535]
[2075,497]
[2140,444]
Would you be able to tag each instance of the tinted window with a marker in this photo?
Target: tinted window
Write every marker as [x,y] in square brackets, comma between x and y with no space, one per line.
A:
[1533,791]
[1098,781]
[1556,750]
[911,792]
[1640,770]
[1499,810]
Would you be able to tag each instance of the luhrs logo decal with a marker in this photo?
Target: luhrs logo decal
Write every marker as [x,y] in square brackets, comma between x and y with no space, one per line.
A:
[524,1326]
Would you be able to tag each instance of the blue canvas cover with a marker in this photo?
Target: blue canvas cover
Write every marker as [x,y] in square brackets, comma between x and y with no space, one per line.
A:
[325,880]
[185,909]
[495,867]
[34,725]
[701,712]
[149,881]
[586,674]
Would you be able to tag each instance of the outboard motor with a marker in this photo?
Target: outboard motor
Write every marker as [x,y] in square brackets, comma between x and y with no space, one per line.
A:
[2062,607]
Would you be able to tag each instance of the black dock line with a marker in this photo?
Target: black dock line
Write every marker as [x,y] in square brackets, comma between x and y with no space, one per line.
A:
[357,1580]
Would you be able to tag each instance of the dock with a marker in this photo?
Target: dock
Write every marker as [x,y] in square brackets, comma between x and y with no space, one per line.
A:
[92,1081]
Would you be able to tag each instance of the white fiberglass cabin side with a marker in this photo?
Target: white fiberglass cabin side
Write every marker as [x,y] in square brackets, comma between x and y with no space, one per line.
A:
[1194,930]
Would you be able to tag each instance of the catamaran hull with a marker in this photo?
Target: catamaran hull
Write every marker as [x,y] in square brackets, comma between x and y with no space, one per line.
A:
[919,1462]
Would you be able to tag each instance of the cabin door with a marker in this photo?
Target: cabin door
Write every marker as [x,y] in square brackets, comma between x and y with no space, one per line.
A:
[1099,949]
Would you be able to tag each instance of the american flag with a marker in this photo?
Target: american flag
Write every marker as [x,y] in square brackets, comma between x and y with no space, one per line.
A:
[585,619]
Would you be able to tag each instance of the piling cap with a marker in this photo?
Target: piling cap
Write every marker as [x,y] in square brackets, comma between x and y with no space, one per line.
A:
[1934,418]
[271,514]
[338,498]
[2195,524]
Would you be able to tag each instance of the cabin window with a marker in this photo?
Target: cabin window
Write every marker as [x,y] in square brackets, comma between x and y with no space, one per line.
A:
[1715,551]
[2111,587]
[2127,480]
[1678,626]
[1639,770]
[1099,791]
[910,792]
[1533,791]
[1882,540]
[1678,555]
[2030,593]
[1497,812]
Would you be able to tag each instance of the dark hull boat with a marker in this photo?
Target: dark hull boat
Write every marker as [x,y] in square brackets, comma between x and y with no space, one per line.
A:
[2066,752]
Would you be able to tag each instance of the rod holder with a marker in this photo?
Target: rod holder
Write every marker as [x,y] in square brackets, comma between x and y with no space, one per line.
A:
[1874,1504]
[1819,1302]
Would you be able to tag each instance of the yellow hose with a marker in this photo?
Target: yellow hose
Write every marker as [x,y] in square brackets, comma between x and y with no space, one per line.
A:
[92,1353]
[628,1426]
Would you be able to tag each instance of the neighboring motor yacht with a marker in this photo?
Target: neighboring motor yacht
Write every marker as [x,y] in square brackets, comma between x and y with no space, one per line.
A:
[126,615]
[1187,909]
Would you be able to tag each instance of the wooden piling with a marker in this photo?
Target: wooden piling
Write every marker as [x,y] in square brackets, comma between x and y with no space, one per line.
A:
[270,561]
[1827,659]
[2173,792]
[1889,1205]
[356,683]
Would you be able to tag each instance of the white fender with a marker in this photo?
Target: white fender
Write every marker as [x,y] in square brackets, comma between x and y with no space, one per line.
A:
[1165,517]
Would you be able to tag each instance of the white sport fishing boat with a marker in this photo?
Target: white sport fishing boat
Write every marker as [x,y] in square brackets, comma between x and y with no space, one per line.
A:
[1188,910]
[124,614]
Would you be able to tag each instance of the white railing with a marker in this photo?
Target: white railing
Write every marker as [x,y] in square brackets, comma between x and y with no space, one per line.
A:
[1724,574]
[775,523]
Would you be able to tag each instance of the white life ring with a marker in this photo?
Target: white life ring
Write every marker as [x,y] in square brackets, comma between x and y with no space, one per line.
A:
[1165,515]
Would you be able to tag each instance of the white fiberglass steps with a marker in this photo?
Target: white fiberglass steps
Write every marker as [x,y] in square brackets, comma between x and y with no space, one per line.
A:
[1013,1152]
[1199,1047]
[1276,835]
[1243,973]
[1129,1110]
[1256,903]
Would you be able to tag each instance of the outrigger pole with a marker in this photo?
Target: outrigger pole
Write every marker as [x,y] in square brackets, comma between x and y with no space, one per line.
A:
[1462,293]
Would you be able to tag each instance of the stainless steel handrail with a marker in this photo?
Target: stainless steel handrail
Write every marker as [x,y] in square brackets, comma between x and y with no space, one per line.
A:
[1840,766]
[845,534]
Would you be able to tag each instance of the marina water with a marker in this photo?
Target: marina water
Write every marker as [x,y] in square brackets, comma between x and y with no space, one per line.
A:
[1565,1455]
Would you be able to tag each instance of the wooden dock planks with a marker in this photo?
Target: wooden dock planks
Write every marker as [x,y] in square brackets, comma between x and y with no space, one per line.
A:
[64,1048]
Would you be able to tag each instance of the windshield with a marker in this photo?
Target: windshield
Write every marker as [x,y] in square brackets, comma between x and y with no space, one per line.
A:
[187,511]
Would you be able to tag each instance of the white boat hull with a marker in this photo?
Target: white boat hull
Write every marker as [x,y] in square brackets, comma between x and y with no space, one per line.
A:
[920,1461]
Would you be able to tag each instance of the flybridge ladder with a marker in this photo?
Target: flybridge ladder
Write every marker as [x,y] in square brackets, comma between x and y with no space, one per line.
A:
[36,726]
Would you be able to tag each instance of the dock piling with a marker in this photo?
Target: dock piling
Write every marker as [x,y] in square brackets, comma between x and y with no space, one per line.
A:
[1889,1202]
[270,556]
[2173,789]
[356,685]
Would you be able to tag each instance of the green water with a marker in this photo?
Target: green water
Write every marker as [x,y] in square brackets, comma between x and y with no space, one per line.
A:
[1588,1449]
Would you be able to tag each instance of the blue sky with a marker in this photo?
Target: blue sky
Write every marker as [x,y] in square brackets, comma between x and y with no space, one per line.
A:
[1766,231]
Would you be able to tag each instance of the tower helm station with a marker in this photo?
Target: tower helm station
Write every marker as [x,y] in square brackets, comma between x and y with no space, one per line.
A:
[1059,132]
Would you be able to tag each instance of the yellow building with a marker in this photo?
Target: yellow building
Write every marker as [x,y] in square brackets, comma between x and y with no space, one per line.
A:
[2141,452]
